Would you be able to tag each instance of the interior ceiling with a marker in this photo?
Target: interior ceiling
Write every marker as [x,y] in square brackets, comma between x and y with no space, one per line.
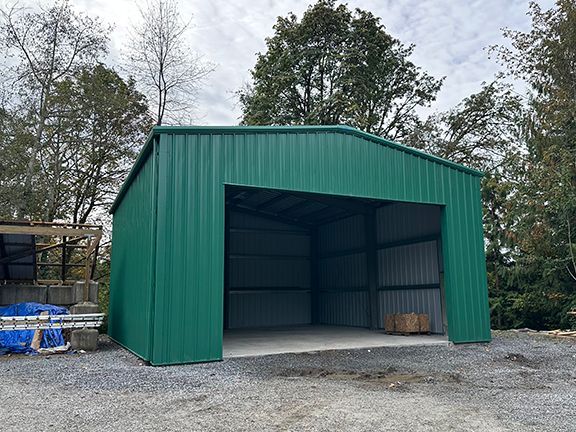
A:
[300,208]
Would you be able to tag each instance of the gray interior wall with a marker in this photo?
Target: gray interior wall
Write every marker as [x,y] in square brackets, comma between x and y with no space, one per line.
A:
[342,278]
[408,266]
[409,261]
[269,273]
[270,269]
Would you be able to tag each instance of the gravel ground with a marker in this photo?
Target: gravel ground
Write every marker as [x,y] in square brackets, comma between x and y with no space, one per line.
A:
[518,382]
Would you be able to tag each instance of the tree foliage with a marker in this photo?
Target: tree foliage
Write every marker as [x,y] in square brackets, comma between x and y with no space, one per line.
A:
[48,45]
[541,275]
[336,66]
[72,126]
[484,131]
[106,120]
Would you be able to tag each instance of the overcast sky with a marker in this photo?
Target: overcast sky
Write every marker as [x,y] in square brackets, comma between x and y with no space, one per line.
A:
[450,37]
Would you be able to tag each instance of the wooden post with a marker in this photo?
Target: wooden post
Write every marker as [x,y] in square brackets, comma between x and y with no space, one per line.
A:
[92,245]
[64,252]
[86,293]
[372,266]
[37,338]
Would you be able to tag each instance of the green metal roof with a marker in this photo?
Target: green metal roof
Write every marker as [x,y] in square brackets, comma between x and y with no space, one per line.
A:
[348,130]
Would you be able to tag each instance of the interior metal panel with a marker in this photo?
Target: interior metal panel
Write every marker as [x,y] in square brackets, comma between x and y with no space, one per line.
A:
[403,221]
[347,308]
[269,308]
[269,273]
[414,264]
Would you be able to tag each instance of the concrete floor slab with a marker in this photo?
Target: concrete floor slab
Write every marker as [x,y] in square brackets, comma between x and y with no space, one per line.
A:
[256,342]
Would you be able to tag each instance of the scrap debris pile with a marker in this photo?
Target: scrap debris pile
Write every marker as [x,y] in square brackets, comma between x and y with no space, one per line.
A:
[556,333]
[34,328]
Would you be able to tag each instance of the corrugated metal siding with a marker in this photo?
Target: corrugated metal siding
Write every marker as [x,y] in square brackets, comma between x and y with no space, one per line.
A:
[266,258]
[342,278]
[270,273]
[269,308]
[131,278]
[195,164]
[269,243]
[404,221]
[414,264]
[347,308]
[464,261]
[341,235]
[343,273]
[425,301]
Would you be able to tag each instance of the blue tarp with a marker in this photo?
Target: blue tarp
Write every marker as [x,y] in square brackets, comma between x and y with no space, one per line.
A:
[18,341]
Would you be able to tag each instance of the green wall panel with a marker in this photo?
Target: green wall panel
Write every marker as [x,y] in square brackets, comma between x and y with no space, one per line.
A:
[194,164]
[131,279]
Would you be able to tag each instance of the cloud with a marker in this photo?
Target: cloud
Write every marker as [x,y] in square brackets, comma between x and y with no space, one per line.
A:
[449,38]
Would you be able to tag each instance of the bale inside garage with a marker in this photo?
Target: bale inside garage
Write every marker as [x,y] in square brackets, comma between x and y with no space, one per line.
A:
[223,228]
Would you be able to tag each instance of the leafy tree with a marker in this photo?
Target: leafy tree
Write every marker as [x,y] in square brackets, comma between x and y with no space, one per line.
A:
[545,198]
[484,131]
[104,120]
[159,58]
[15,142]
[336,66]
[48,45]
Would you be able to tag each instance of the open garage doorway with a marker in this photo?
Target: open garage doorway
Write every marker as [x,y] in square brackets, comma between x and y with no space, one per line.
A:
[308,271]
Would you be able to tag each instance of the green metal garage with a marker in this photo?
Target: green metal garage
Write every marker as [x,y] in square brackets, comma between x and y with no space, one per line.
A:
[220,228]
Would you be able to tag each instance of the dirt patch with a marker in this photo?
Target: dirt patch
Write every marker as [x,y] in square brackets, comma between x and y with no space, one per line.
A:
[521,360]
[389,377]
[518,358]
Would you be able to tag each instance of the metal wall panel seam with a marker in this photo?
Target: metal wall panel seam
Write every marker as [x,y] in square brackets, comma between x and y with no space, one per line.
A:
[153,234]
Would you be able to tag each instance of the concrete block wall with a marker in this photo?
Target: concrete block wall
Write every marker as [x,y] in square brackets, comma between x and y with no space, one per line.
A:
[59,295]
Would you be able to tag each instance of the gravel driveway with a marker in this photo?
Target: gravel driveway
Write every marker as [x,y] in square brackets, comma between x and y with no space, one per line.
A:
[518,382]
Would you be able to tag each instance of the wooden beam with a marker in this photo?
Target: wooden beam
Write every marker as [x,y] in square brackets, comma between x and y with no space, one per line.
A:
[43,223]
[33,251]
[47,230]
[48,264]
